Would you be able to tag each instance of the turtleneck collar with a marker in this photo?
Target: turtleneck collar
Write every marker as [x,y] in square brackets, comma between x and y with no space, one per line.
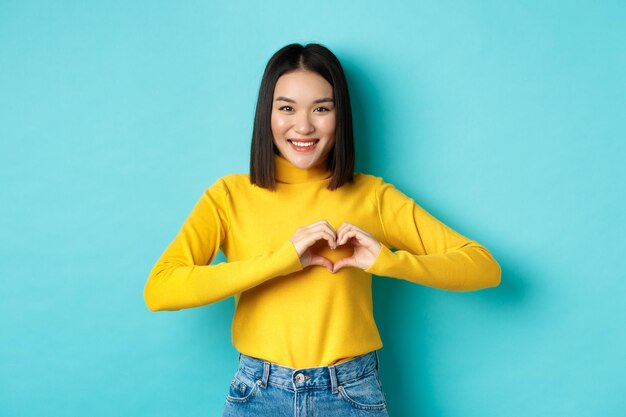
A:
[288,173]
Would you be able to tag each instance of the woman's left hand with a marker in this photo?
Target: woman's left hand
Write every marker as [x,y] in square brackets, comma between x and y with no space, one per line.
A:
[366,248]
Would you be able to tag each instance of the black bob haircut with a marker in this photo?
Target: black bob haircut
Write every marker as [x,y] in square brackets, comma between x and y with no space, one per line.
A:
[315,58]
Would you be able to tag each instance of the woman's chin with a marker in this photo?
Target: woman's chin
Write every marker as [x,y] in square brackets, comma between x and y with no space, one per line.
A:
[304,162]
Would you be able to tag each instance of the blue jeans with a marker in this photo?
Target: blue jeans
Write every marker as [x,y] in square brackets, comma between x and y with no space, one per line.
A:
[262,388]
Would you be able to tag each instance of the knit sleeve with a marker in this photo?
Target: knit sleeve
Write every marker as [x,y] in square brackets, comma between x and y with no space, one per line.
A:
[183,278]
[428,252]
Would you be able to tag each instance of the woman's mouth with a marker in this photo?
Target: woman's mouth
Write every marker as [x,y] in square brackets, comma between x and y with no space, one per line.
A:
[303,145]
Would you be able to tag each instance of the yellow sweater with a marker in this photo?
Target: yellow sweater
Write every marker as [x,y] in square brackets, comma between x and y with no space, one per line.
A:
[307,317]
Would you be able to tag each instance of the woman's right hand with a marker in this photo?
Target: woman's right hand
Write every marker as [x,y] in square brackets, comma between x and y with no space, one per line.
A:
[306,236]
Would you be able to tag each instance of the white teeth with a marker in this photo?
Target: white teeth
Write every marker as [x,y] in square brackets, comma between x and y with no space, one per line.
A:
[303,144]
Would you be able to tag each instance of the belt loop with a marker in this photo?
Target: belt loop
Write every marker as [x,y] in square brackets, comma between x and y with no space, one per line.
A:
[266,374]
[377,360]
[333,379]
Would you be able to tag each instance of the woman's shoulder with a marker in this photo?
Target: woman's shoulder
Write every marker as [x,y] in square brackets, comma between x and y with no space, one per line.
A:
[367,180]
[230,182]
[235,179]
[376,184]
[365,186]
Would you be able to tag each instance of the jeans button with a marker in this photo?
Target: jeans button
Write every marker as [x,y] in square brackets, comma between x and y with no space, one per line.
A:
[299,378]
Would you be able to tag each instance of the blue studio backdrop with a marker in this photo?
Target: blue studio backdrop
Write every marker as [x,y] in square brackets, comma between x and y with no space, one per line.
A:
[506,120]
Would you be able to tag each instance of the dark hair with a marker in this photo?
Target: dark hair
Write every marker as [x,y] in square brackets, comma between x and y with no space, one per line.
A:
[318,59]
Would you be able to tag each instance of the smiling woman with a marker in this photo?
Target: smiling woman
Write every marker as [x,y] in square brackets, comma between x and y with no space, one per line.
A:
[305,85]
[303,118]
[303,235]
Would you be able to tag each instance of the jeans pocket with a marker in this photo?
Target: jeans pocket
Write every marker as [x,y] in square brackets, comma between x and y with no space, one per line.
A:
[364,393]
[242,388]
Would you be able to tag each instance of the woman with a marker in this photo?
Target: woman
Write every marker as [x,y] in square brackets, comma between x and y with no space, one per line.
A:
[303,236]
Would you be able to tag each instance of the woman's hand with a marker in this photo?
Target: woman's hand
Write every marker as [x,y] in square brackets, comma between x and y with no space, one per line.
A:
[306,236]
[366,248]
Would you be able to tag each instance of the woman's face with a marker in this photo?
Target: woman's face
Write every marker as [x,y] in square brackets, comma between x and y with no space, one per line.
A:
[303,118]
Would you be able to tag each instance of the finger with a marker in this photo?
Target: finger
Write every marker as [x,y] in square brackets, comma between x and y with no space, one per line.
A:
[349,234]
[327,235]
[347,228]
[308,241]
[329,232]
[304,241]
[321,261]
[342,227]
[345,262]
[317,226]
[363,238]
[333,233]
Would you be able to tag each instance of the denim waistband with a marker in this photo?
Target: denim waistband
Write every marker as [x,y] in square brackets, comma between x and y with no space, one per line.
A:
[331,376]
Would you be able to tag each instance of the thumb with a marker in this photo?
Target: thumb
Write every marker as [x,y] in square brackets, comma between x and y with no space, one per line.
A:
[350,261]
[321,261]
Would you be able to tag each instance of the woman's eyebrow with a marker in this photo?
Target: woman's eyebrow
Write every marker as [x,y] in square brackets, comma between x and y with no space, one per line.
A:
[319,100]
[324,100]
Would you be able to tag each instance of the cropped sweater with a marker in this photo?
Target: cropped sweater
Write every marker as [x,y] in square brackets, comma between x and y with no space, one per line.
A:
[307,317]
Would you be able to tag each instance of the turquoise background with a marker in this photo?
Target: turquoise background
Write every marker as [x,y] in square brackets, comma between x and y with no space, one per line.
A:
[503,119]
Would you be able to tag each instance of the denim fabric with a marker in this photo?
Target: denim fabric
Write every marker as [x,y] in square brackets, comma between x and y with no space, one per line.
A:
[351,389]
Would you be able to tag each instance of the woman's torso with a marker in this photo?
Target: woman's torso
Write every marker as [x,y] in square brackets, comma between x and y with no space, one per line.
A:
[312,317]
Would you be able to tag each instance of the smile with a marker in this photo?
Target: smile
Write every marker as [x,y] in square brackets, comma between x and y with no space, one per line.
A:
[303,145]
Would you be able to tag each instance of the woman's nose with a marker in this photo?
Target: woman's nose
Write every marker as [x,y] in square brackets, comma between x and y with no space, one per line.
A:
[304,125]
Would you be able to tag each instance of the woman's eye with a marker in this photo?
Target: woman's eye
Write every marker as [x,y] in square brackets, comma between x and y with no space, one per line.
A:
[322,109]
[285,108]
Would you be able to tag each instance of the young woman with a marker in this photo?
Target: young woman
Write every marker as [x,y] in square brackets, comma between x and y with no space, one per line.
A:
[303,235]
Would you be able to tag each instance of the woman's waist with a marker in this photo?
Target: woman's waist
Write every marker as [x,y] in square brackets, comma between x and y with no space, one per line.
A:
[318,376]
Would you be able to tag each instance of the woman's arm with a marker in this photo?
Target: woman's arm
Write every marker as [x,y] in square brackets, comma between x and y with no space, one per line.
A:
[183,278]
[428,252]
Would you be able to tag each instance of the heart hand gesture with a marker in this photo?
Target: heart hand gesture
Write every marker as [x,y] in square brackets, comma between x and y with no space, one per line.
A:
[306,236]
[366,247]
